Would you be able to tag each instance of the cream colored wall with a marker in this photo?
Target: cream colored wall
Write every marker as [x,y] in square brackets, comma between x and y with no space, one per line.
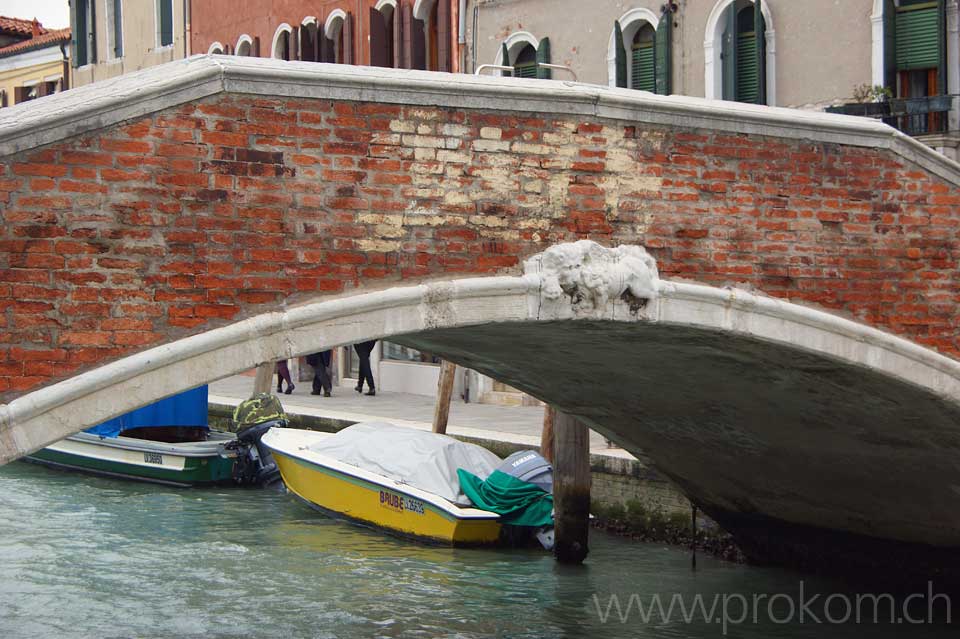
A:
[140,48]
[822,49]
[10,79]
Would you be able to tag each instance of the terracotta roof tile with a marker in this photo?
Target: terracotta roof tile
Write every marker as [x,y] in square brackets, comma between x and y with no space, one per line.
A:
[18,26]
[49,38]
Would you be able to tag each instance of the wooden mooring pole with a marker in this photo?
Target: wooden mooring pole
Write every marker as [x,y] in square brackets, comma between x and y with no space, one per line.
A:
[571,488]
[263,382]
[546,434]
[441,412]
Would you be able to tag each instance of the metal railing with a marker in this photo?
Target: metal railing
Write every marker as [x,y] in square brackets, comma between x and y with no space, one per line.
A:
[502,67]
[913,116]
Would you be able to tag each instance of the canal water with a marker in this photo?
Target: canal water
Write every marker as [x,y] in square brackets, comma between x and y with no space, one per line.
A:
[89,557]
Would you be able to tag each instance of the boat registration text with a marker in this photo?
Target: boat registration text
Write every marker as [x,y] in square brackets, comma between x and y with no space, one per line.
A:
[400,503]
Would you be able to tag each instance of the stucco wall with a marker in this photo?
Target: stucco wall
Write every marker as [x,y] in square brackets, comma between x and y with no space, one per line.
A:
[140,42]
[823,47]
[17,76]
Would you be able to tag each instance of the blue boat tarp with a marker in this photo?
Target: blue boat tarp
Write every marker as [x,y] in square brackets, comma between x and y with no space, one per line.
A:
[184,409]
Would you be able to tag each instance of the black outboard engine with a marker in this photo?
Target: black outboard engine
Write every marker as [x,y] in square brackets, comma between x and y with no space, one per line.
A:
[253,464]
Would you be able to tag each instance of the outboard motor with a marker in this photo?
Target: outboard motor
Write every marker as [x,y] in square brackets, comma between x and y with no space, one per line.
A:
[253,464]
[531,467]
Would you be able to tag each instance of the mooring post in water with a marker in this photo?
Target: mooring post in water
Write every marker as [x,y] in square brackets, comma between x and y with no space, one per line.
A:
[263,382]
[693,536]
[571,488]
[441,411]
[546,435]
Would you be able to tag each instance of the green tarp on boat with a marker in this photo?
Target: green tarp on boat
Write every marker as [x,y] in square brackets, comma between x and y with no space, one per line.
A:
[517,502]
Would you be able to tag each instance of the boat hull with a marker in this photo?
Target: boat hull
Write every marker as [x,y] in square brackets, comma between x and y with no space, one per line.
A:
[353,494]
[182,465]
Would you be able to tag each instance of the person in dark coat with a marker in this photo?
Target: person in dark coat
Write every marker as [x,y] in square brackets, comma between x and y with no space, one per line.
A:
[321,373]
[366,374]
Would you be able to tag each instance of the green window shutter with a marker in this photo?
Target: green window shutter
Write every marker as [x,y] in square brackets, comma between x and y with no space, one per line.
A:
[620,55]
[78,39]
[505,59]
[663,53]
[117,29]
[543,56]
[760,30]
[642,74]
[91,31]
[747,85]
[890,44]
[729,55]
[166,22]
[918,39]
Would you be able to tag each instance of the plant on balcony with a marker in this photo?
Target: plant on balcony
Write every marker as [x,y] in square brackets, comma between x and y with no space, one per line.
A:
[872,101]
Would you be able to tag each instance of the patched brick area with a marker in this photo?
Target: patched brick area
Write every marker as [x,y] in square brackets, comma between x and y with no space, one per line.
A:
[204,214]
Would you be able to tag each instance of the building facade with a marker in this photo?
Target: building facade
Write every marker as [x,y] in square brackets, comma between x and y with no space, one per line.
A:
[112,37]
[32,60]
[410,34]
[808,55]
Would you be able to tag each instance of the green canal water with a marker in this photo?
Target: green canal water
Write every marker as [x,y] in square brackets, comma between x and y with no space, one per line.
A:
[88,557]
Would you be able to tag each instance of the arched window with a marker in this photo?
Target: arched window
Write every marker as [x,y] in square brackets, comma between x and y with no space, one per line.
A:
[525,54]
[245,46]
[739,52]
[525,64]
[642,66]
[283,45]
[337,42]
[639,51]
[383,23]
[430,46]
[309,42]
[743,64]
[215,49]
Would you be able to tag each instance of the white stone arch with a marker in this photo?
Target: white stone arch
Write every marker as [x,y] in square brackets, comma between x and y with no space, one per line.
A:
[334,24]
[515,43]
[630,23]
[283,28]
[215,49]
[422,9]
[712,47]
[310,21]
[244,46]
[50,413]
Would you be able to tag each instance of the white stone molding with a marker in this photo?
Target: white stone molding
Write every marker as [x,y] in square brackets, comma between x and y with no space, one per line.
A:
[133,95]
[215,49]
[283,28]
[334,23]
[244,46]
[515,43]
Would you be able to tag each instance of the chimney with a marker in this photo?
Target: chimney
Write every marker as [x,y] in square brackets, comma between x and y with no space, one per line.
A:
[36,28]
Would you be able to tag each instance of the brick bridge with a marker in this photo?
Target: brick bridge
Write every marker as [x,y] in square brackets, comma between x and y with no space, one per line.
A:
[146,216]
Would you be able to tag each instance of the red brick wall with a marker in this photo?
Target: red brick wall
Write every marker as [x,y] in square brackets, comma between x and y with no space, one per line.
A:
[219,210]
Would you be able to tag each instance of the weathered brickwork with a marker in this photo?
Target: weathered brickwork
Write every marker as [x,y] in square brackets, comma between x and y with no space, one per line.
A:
[210,212]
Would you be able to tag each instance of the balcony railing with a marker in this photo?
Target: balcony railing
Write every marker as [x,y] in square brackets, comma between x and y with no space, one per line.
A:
[913,116]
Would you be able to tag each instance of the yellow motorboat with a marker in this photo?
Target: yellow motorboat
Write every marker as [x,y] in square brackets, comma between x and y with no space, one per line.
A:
[398,479]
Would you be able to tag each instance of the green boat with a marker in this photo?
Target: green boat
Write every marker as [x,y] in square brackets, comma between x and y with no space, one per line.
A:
[167,442]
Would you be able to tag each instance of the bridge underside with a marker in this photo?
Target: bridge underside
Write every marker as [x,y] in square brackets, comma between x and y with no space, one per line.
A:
[805,458]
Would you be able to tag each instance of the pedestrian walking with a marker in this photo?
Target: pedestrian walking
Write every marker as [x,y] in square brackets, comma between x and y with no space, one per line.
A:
[283,375]
[363,350]
[322,382]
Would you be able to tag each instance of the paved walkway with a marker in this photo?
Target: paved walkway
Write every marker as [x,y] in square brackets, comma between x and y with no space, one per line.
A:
[520,424]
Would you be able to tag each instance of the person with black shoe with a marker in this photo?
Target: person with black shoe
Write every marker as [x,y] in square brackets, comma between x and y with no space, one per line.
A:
[321,373]
[363,350]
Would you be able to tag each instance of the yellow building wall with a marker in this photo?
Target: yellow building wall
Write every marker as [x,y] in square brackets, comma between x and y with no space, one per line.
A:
[12,78]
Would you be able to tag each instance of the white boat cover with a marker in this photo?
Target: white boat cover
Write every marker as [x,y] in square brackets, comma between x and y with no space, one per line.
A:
[424,460]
